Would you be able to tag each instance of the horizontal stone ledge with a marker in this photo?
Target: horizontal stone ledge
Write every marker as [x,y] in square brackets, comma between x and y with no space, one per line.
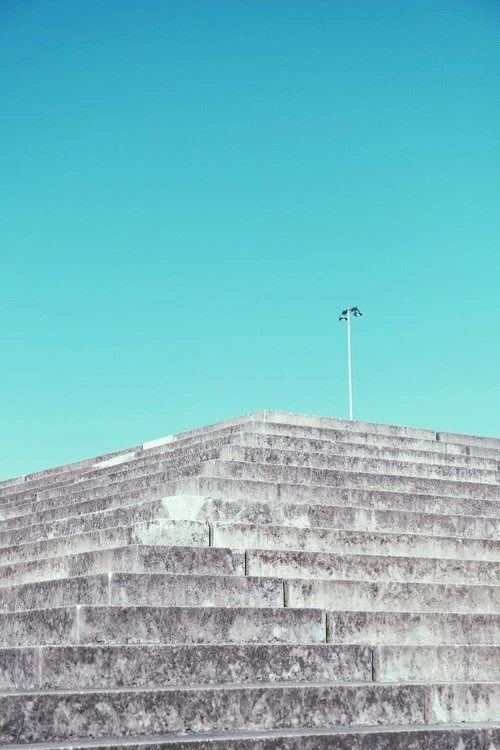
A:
[364,464]
[349,566]
[458,663]
[51,716]
[270,537]
[86,667]
[132,558]
[155,532]
[62,715]
[154,625]
[412,628]
[462,736]
[144,589]
[391,596]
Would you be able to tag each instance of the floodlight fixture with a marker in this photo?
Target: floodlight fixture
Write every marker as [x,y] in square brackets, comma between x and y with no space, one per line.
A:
[346,316]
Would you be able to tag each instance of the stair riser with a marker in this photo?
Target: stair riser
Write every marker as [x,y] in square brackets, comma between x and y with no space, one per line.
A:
[309,565]
[164,533]
[435,738]
[352,542]
[299,475]
[123,589]
[60,716]
[299,516]
[132,559]
[360,450]
[103,479]
[286,458]
[57,716]
[446,663]
[150,625]
[393,597]
[87,667]
[412,629]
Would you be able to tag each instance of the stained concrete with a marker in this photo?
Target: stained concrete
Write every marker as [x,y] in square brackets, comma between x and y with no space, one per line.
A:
[272,581]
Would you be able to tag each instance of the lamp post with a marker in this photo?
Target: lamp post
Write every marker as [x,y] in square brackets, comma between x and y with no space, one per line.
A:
[345,315]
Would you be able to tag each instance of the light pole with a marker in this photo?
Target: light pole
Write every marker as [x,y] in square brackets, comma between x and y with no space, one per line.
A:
[346,315]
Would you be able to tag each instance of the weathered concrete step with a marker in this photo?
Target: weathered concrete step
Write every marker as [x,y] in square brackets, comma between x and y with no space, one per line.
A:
[125,515]
[413,628]
[254,536]
[346,566]
[63,507]
[382,466]
[146,589]
[329,516]
[461,736]
[198,508]
[460,663]
[75,472]
[355,480]
[388,596]
[151,625]
[130,559]
[83,667]
[138,485]
[439,454]
[37,717]
[314,494]
[369,432]
[159,589]
[61,513]
[173,464]
[165,533]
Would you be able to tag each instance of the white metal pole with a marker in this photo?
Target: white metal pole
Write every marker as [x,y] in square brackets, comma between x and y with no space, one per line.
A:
[349,364]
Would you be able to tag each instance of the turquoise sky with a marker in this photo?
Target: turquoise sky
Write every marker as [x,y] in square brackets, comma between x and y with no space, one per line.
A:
[191,192]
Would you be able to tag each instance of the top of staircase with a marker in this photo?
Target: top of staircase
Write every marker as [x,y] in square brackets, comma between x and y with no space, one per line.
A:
[295,421]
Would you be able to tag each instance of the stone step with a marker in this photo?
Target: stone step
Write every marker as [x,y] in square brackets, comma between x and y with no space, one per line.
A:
[79,504]
[413,628]
[119,516]
[160,589]
[389,596]
[109,463]
[163,533]
[434,663]
[130,559]
[133,470]
[369,432]
[357,464]
[346,566]
[338,430]
[314,494]
[254,536]
[84,667]
[355,480]
[149,589]
[147,452]
[44,511]
[343,517]
[41,716]
[155,625]
[438,456]
[459,736]
[198,508]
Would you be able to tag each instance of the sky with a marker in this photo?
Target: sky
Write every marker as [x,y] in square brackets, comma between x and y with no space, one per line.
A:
[191,192]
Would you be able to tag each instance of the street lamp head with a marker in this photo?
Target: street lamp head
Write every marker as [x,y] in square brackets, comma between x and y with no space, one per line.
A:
[357,313]
[343,317]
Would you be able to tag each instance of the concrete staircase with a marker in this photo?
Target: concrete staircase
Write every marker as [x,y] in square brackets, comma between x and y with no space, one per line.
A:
[272,582]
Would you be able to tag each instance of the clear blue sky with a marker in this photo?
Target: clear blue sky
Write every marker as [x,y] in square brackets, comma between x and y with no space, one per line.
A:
[191,192]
